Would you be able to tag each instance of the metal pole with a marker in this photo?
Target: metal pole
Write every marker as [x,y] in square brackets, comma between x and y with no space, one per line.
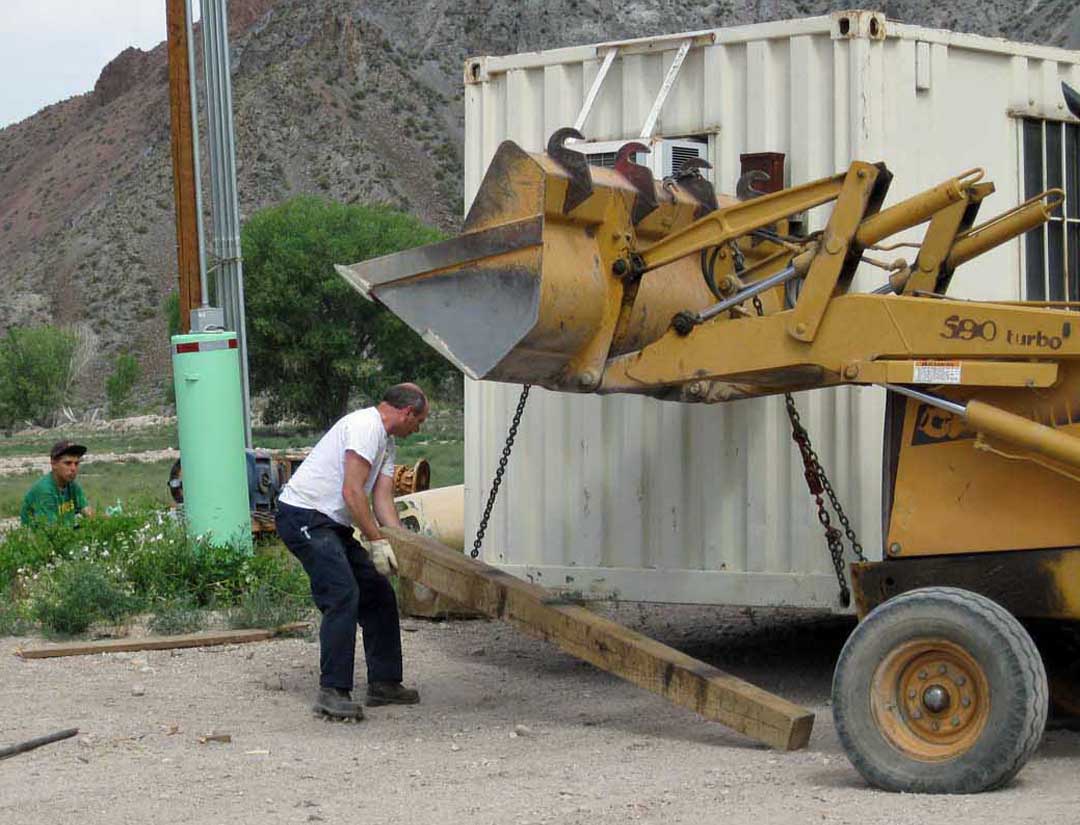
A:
[226,209]
[213,130]
[926,398]
[754,289]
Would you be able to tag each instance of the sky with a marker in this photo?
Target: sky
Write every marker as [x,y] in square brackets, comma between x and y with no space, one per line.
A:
[53,49]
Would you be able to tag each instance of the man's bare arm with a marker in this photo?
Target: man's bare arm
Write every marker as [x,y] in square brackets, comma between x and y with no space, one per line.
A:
[383,496]
[357,470]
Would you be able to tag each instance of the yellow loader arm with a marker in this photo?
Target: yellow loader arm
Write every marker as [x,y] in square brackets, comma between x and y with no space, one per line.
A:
[584,279]
[703,309]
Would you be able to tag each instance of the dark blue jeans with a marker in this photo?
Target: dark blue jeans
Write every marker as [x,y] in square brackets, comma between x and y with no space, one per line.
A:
[349,591]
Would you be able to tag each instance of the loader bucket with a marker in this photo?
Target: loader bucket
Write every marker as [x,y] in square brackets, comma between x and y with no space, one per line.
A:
[473,311]
[526,293]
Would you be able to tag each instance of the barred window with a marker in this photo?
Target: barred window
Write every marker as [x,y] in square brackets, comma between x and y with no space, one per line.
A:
[1052,252]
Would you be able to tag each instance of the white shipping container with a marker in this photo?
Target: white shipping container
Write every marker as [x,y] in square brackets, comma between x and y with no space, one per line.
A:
[642,500]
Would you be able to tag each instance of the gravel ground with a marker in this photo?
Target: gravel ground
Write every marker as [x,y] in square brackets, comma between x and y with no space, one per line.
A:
[510,730]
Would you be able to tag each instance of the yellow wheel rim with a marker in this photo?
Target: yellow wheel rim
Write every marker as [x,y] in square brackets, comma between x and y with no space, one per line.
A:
[930,699]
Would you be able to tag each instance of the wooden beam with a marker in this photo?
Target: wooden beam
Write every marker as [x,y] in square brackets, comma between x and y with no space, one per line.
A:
[224,637]
[183,157]
[681,679]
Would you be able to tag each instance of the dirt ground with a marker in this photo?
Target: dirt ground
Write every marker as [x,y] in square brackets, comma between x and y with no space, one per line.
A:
[509,731]
[15,465]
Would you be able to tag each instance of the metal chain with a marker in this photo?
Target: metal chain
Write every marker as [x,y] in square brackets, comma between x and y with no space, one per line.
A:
[503,462]
[818,482]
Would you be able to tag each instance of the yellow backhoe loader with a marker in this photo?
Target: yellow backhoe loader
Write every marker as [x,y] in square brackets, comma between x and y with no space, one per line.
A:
[596,280]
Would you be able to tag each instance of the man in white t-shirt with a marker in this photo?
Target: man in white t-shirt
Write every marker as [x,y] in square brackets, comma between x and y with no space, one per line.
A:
[325,497]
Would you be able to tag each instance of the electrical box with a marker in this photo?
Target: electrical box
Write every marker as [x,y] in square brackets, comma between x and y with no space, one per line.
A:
[207,319]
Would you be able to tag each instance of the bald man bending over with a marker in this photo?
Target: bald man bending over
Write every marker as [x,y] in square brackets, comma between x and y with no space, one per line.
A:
[325,497]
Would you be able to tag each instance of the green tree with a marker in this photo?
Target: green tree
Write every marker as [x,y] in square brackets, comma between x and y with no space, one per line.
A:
[312,340]
[35,367]
[120,383]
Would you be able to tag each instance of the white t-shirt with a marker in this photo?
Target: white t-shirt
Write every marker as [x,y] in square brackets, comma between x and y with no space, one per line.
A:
[317,483]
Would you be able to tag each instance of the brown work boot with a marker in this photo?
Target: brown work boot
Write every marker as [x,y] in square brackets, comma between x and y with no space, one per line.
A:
[391,693]
[337,704]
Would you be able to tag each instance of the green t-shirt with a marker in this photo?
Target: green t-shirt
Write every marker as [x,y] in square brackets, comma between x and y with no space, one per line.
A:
[45,501]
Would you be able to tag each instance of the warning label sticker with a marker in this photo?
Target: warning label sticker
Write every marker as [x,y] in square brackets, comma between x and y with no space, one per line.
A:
[936,372]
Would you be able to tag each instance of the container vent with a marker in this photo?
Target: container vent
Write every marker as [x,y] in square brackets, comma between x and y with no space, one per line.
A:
[605,159]
[667,155]
[681,154]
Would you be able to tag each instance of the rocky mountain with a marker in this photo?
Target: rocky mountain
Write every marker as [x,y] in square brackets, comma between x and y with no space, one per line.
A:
[356,100]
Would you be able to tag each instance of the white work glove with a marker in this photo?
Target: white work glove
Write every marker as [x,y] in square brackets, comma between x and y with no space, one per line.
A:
[382,556]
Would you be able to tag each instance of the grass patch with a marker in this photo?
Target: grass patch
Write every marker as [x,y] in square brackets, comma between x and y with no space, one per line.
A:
[39,443]
[447,458]
[265,606]
[173,617]
[441,442]
[104,483]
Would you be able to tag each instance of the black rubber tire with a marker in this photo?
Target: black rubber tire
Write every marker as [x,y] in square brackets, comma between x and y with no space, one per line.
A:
[999,644]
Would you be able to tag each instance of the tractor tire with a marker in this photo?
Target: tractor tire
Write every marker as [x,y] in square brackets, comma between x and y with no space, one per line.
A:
[939,690]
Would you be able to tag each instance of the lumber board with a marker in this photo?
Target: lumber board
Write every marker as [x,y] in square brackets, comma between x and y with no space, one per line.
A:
[224,637]
[682,679]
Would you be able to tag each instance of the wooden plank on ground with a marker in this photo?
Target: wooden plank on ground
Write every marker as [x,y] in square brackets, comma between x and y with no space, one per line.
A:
[681,679]
[224,637]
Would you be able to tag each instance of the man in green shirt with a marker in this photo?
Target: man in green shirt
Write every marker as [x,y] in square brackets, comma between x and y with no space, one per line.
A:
[57,497]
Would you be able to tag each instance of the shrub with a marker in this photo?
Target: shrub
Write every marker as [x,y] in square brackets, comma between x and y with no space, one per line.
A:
[35,369]
[120,383]
[73,595]
[171,308]
[12,621]
[23,552]
[69,577]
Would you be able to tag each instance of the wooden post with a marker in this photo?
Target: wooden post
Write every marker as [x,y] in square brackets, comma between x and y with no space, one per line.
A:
[187,237]
[677,677]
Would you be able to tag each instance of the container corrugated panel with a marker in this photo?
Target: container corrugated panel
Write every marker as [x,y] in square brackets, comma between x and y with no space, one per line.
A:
[638,499]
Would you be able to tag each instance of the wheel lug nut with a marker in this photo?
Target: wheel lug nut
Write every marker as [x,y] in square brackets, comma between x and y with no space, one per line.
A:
[936,726]
[956,721]
[911,694]
[942,670]
[936,699]
[922,674]
[916,714]
[960,680]
[966,702]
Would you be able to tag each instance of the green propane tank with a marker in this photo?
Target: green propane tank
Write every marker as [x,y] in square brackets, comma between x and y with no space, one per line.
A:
[209,414]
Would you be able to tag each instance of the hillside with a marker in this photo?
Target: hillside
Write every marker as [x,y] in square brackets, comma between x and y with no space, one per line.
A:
[356,101]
